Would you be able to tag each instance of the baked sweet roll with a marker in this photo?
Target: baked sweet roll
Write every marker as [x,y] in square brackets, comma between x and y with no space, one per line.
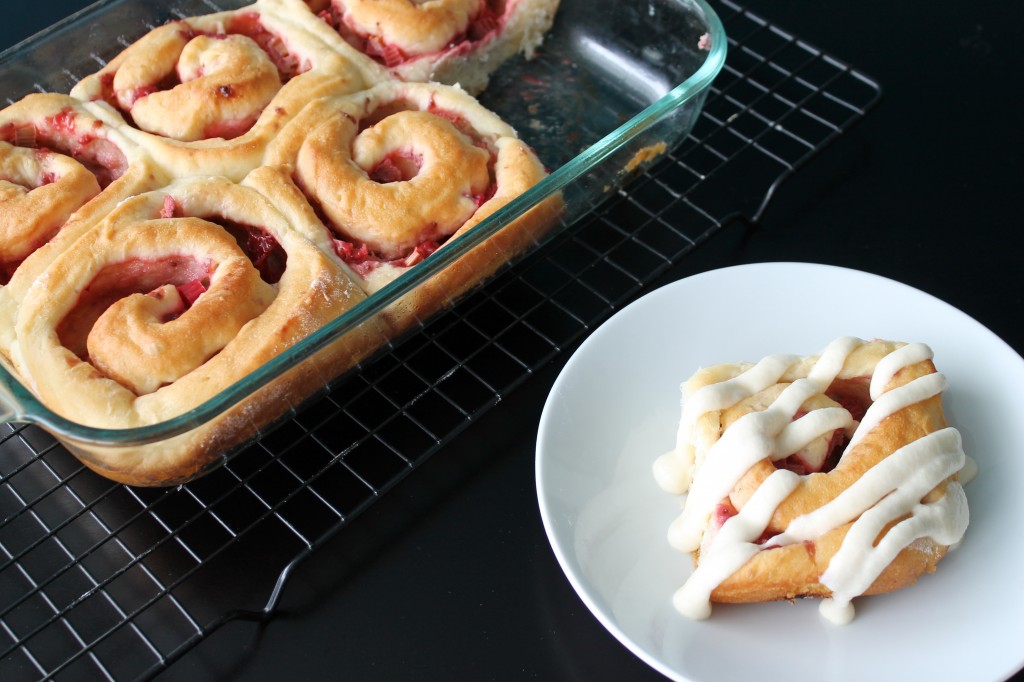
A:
[174,296]
[444,41]
[831,476]
[399,171]
[62,167]
[206,93]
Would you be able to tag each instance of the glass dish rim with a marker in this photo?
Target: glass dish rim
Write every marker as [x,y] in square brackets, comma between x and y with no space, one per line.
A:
[19,405]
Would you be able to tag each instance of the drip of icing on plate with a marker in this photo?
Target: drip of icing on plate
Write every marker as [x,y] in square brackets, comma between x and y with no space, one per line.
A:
[891,490]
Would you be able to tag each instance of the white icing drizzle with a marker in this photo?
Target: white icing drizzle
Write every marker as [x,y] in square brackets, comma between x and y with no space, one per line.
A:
[674,470]
[891,490]
[751,438]
[886,369]
[858,563]
[895,400]
[815,423]
[733,545]
[910,471]
[969,471]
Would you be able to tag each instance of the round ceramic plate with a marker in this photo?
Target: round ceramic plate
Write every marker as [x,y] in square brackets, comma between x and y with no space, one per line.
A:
[615,408]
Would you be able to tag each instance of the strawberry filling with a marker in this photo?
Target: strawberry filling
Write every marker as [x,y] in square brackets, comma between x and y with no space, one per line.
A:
[136,276]
[484,197]
[169,82]
[853,396]
[363,262]
[46,178]
[723,512]
[487,23]
[170,208]
[61,133]
[387,54]
[261,247]
[460,123]
[265,252]
[288,63]
[7,271]
[396,167]
[191,291]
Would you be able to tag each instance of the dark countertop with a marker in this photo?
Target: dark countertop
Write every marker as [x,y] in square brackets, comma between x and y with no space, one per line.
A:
[450,575]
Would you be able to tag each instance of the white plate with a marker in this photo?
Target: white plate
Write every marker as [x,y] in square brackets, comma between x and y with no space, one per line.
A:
[615,407]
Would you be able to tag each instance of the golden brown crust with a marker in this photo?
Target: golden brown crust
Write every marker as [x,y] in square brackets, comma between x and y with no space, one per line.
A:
[794,571]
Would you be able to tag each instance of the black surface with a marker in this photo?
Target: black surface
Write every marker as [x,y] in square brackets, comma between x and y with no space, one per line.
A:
[450,575]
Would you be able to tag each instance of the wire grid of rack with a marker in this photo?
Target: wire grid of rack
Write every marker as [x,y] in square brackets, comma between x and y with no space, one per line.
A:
[99,580]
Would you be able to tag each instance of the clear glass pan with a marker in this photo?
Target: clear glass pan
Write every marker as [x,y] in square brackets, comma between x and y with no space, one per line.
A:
[614,86]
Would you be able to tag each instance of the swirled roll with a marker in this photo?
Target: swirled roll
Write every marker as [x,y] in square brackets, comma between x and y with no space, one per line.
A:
[174,296]
[399,171]
[443,41]
[205,94]
[63,166]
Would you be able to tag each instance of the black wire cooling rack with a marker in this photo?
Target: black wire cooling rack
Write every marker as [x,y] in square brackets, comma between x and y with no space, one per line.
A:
[103,581]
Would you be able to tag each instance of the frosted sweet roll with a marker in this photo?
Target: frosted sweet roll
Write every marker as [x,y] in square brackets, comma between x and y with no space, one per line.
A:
[831,476]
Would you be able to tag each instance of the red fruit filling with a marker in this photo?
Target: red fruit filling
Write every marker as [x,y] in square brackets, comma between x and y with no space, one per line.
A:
[137,276]
[396,167]
[385,53]
[853,395]
[46,178]
[7,271]
[481,27]
[170,208]
[484,197]
[61,133]
[262,248]
[363,262]
[723,512]
[169,82]
[190,291]
[288,64]
[460,123]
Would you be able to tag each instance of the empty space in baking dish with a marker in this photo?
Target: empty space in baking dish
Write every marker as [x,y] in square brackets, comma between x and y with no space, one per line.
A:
[611,89]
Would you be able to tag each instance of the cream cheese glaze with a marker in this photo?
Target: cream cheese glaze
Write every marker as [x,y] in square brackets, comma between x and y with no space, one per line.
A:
[889,495]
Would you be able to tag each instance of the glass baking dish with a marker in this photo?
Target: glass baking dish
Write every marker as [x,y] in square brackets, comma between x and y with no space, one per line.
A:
[614,87]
